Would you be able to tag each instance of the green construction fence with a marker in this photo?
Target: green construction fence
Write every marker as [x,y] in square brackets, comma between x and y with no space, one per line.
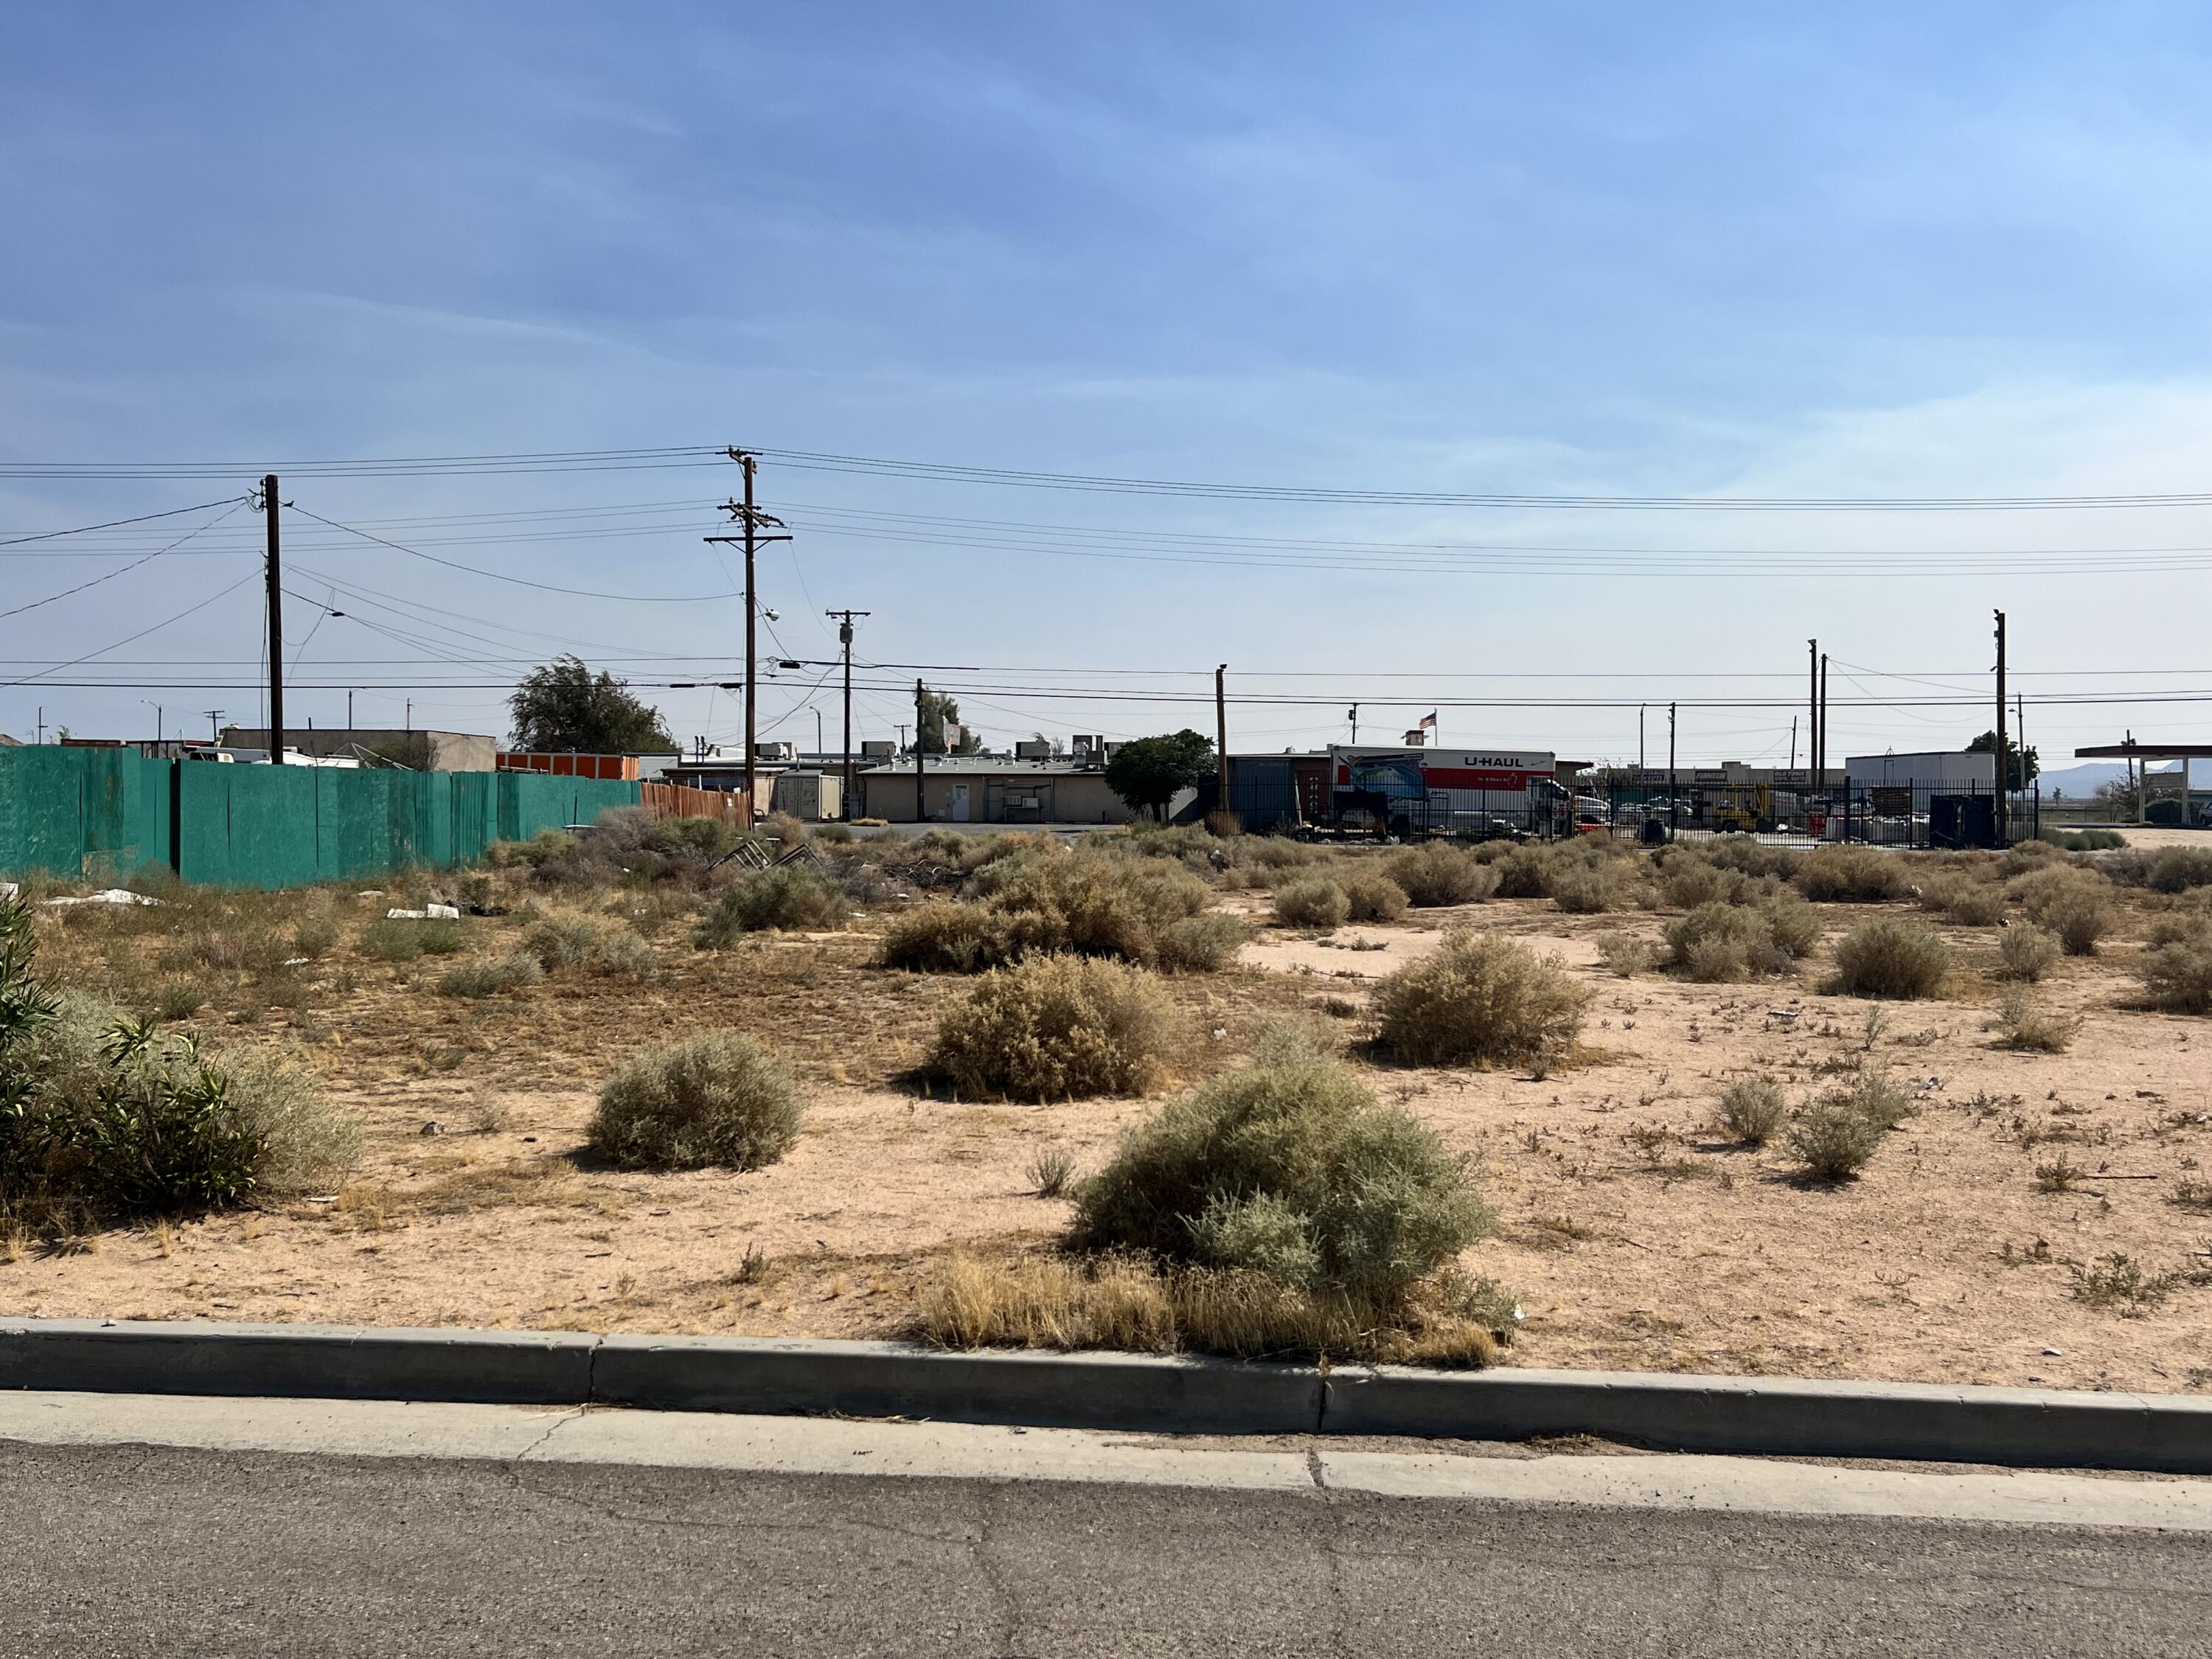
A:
[74,813]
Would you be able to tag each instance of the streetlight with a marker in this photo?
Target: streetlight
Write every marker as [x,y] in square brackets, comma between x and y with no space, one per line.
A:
[156,708]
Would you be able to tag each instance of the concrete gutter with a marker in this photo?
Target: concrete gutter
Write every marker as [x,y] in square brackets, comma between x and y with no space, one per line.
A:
[2046,1428]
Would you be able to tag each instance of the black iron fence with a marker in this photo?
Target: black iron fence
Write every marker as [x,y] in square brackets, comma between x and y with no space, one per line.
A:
[1875,815]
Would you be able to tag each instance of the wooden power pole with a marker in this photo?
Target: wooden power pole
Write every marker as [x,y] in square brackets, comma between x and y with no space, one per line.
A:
[920,772]
[845,643]
[275,574]
[2005,796]
[1221,738]
[749,520]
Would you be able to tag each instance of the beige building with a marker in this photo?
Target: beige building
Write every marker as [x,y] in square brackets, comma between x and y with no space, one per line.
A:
[970,789]
[419,751]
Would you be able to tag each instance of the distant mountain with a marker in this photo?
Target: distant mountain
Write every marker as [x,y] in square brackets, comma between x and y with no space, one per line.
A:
[2080,781]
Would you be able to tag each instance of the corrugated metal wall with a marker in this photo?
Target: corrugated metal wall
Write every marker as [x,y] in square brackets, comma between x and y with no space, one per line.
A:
[109,812]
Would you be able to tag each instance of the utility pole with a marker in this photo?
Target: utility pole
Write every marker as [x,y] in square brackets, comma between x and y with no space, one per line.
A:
[215,724]
[2004,797]
[1674,794]
[1813,724]
[1221,738]
[1355,725]
[1793,742]
[920,772]
[1824,719]
[274,572]
[350,709]
[845,644]
[1640,710]
[750,517]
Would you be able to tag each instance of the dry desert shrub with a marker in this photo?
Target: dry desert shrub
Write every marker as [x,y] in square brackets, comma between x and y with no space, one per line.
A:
[1372,897]
[1482,999]
[946,936]
[1437,875]
[1051,1168]
[1963,900]
[1591,889]
[307,1145]
[2074,904]
[1719,942]
[2178,869]
[1832,1142]
[784,898]
[2028,953]
[597,946]
[1312,902]
[2176,970]
[1890,956]
[1751,1108]
[1054,1028]
[1046,900]
[490,976]
[1852,875]
[717,1100]
[1527,872]
[1628,954]
[2029,1027]
[1203,943]
[1292,1170]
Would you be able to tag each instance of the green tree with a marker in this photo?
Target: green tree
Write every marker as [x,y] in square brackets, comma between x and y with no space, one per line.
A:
[1147,772]
[564,706]
[938,710]
[2015,779]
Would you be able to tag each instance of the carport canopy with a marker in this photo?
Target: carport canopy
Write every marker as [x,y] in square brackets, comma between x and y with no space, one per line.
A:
[2134,749]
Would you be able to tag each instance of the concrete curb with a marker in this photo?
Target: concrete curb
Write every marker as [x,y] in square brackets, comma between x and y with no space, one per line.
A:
[2035,1427]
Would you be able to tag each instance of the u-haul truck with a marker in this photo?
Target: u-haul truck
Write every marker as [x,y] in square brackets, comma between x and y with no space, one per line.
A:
[1411,793]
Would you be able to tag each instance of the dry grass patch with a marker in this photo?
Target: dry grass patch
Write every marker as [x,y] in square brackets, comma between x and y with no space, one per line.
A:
[1054,1028]
[2074,904]
[589,945]
[1047,1302]
[1481,998]
[1203,943]
[1720,942]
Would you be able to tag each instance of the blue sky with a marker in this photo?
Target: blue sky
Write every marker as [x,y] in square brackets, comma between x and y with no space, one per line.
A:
[1925,250]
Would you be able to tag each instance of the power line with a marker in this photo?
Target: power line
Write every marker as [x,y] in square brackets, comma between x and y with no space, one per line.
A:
[575,460]
[813,460]
[126,569]
[520,581]
[87,530]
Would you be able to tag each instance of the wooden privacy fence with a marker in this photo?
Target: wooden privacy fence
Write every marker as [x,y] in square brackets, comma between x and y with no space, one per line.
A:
[681,801]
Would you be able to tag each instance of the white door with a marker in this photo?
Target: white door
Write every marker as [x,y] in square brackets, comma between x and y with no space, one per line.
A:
[960,803]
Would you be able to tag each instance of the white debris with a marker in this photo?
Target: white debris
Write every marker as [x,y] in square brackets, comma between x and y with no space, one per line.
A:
[447,912]
[8,890]
[435,913]
[109,896]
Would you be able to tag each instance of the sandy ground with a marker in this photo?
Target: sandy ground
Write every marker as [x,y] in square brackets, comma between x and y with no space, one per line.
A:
[1636,1237]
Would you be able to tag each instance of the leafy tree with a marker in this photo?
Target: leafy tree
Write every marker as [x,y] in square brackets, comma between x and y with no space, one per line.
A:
[938,710]
[1147,772]
[1987,744]
[564,705]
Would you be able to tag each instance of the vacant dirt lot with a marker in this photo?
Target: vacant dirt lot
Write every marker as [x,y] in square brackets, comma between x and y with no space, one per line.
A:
[1636,1234]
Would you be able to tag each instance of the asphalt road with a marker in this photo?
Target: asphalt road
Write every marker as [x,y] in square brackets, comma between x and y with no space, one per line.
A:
[134,1550]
